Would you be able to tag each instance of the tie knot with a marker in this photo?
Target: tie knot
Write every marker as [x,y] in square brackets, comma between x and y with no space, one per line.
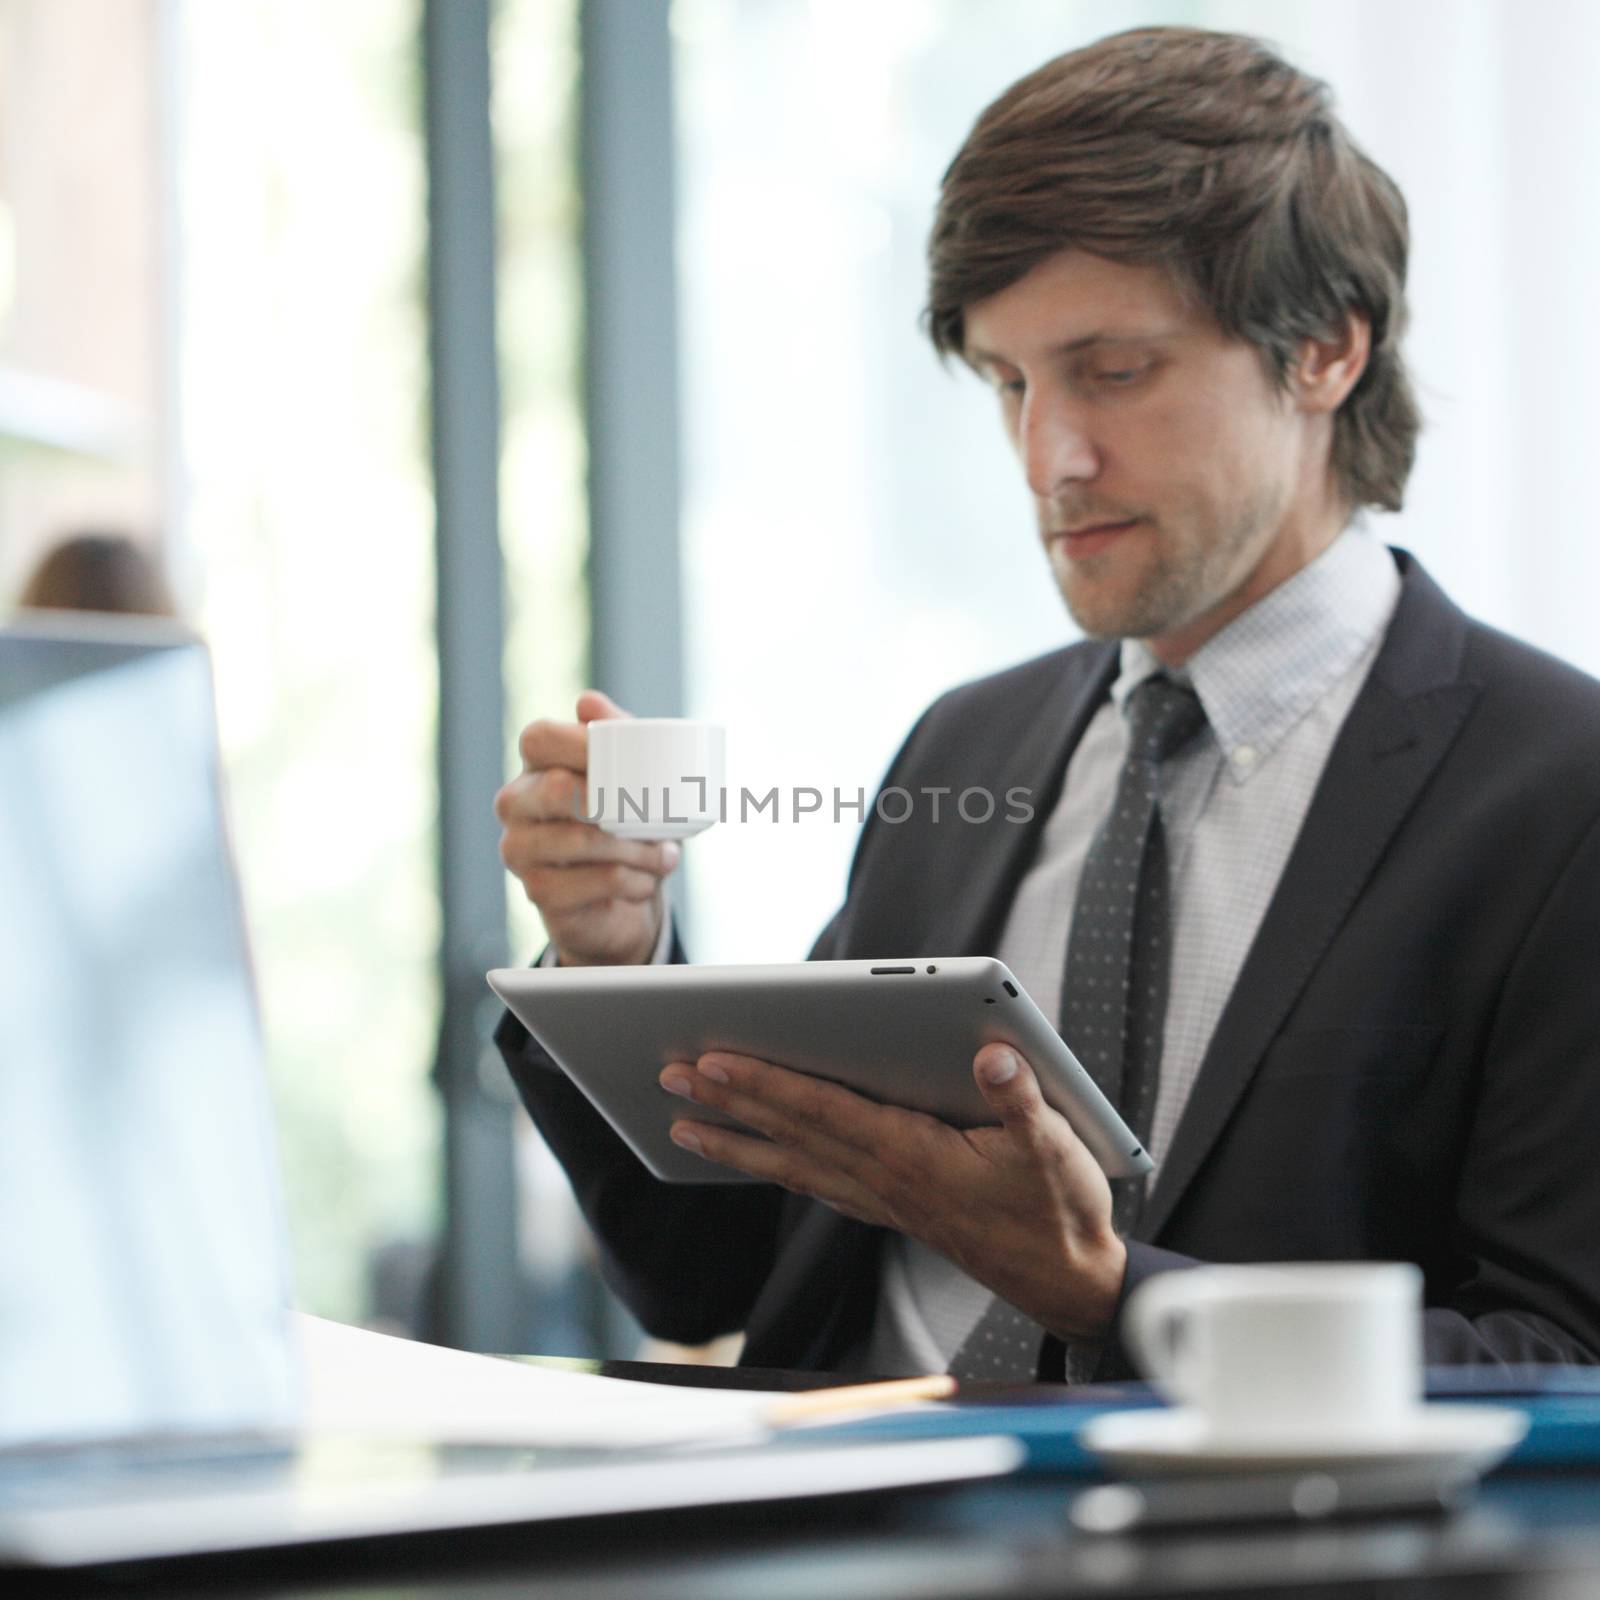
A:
[1162,717]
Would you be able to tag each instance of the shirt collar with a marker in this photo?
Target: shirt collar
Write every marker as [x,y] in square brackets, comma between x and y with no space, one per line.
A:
[1264,672]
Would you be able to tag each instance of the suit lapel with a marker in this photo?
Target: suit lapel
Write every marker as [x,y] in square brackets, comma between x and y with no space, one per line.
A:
[1399,729]
[1041,743]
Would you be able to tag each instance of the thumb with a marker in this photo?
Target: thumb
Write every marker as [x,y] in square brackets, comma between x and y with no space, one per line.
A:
[1008,1085]
[593,706]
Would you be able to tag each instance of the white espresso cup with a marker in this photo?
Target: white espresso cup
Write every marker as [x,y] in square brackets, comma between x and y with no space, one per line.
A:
[654,777]
[1325,1351]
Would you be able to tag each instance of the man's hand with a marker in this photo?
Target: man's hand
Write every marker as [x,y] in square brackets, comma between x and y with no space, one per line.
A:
[601,898]
[1023,1207]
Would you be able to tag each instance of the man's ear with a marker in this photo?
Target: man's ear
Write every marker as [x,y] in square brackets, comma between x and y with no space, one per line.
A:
[1328,369]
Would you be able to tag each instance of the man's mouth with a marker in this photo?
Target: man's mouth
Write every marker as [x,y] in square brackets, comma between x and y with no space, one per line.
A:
[1090,537]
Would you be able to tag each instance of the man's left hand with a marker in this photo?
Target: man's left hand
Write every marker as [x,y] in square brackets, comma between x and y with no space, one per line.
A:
[1022,1207]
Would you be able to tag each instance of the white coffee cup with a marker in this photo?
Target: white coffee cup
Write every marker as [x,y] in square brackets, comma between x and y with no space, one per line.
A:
[654,777]
[1324,1350]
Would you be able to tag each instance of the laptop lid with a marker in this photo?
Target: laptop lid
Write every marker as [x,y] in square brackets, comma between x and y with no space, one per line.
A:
[143,1265]
[143,1279]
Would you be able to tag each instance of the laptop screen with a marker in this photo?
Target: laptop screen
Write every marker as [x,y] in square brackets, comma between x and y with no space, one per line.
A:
[142,1260]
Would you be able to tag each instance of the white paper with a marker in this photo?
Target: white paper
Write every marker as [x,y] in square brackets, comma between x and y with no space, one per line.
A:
[370,1383]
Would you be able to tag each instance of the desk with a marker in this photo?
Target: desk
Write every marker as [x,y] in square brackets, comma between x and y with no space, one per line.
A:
[1532,1535]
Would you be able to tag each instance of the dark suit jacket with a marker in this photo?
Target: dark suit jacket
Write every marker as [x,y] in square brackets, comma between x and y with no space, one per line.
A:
[1408,1067]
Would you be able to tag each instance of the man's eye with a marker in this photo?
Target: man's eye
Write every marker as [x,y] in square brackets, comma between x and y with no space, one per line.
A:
[1120,377]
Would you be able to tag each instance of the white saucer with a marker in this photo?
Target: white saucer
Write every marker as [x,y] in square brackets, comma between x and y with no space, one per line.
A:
[1456,1439]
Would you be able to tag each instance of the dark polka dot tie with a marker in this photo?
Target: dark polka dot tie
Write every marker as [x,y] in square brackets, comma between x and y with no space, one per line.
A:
[1114,990]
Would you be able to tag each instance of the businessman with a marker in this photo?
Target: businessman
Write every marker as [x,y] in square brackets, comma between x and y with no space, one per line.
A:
[1313,879]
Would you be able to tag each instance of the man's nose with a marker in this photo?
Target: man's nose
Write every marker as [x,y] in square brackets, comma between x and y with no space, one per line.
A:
[1055,444]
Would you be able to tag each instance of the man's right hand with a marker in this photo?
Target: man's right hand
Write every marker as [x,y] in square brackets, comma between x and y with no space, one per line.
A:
[601,898]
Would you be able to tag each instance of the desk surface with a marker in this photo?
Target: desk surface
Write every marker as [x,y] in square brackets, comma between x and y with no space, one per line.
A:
[1529,1534]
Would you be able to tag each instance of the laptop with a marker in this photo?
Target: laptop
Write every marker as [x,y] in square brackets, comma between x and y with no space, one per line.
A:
[148,1290]
[152,1402]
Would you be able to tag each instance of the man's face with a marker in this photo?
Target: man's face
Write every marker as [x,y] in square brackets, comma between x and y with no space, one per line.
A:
[1173,481]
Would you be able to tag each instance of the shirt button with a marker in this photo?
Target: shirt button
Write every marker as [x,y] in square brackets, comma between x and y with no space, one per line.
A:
[1245,756]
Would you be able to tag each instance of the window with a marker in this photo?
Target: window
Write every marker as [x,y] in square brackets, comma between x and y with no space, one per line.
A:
[303,384]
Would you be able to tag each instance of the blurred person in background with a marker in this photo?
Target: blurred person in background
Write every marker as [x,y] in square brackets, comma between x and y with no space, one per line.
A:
[98,572]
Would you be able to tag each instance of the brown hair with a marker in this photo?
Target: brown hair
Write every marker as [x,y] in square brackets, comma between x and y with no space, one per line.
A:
[98,572]
[1210,155]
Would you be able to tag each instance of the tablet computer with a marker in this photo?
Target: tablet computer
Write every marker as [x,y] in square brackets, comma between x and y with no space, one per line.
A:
[901,1032]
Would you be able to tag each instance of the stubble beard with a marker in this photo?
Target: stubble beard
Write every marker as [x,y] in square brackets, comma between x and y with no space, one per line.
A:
[1182,581]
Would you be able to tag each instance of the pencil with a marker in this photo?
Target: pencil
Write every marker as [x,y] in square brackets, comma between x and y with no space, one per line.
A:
[859,1397]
